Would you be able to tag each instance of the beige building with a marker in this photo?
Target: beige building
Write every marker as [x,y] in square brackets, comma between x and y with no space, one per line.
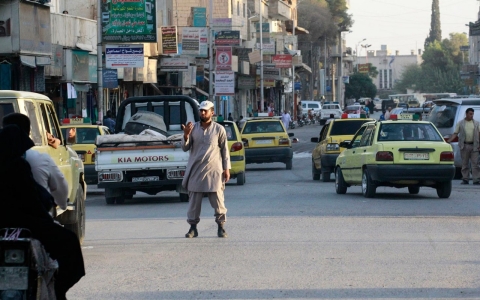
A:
[390,65]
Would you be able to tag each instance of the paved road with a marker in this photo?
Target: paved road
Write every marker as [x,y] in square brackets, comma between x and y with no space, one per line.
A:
[289,238]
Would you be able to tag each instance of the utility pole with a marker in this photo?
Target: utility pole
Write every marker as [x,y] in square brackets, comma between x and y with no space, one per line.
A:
[210,55]
[261,56]
[340,72]
[99,63]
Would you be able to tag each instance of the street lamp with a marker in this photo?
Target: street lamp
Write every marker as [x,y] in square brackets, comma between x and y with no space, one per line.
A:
[366,46]
[356,48]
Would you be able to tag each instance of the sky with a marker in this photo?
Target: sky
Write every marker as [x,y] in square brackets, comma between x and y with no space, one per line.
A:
[404,24]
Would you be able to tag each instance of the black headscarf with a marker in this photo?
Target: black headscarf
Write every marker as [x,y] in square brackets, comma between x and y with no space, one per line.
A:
[20,204]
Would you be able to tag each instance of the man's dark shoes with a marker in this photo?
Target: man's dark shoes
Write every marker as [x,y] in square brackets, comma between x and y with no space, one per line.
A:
[192,232]
[221,231]
[476,183]
[465,182]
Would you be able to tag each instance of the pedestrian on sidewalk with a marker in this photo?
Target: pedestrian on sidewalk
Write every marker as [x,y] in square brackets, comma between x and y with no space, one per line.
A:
[208,168]
[468,132]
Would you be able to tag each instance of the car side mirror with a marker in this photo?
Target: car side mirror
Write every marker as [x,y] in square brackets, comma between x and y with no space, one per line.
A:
[314,140]
[346,144]
[290,134]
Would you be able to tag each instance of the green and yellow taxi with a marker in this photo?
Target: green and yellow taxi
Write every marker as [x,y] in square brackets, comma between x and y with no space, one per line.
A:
[80,136]
[401,152]
[335,131]
[237,151]
[266,140]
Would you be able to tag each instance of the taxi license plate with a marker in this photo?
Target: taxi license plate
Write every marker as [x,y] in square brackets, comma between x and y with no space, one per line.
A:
[416,156]
[145,179]
[263,141]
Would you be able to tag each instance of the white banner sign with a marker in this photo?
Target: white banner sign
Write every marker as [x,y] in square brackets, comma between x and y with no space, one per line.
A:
[168,64]
[124,56]
[195,41]
[224,83]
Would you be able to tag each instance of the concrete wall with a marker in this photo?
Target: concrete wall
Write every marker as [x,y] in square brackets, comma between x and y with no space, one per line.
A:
[68,30]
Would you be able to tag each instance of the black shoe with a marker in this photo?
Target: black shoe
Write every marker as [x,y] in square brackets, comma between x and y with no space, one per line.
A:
[465,182]
[476,183]
[192,232]
[221,231]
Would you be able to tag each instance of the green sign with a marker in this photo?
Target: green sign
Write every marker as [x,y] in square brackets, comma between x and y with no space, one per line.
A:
[126,21]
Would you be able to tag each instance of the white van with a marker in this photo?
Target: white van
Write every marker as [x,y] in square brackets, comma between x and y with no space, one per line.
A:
[308,105]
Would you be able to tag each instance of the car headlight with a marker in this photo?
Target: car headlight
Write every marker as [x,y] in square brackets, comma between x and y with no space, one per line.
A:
[333,147]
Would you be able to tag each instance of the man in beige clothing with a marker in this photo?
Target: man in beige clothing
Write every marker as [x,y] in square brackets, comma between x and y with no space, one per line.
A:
[208,168]
[468,132]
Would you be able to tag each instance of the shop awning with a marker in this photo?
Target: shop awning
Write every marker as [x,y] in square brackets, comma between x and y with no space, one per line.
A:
[28,61]
[303,68]
[42,61]
[201,91]
[81,86]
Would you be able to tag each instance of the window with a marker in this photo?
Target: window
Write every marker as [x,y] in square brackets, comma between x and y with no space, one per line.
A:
[231,136]
[53,122]
[443,116]
[5,109]
[244,10]
[45,118]
[35,131]
[408,132]
[358,137]
[231,7]
[346,128]
[367,136]
[385,79]
[257,127]
[324,132]
[380,79]
[238,8]
[390,79]
[78,135]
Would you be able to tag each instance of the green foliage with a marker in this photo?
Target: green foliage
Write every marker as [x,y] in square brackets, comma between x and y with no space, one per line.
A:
[440,69]
[361,85]
[435,27]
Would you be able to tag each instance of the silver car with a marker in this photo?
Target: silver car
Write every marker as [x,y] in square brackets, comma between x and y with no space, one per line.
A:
[446,114]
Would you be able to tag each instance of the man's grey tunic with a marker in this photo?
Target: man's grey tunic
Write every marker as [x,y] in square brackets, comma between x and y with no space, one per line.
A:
[209,157]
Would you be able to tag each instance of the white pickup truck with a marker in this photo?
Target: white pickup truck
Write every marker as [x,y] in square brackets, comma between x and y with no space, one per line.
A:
[330,108]
[128,162]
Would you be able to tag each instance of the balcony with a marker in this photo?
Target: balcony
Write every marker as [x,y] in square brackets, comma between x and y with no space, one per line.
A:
[279,10]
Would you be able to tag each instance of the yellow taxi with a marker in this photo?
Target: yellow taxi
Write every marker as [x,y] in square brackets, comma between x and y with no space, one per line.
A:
[401,152]
[237,151]
[328,147]
[81,137]
[266,140]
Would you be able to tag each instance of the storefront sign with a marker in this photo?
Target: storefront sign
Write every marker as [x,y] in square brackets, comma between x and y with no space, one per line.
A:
[223,59]
[169,40]
[266,82]
[245,83]
[265,27]
[225,83]
[199,16]
[168,64]
[282,61]
[195,41]
[242,53]
[123,56]
[109,78]
[363,68]
[227,38]
[80,65]
[268,48]
[125,21]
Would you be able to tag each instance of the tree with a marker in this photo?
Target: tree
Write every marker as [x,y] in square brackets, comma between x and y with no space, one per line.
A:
[435,27]
[360,85]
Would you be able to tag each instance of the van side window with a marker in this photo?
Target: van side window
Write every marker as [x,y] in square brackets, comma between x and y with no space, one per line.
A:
[49,127]
[54,122]
[5,109]
[35,130]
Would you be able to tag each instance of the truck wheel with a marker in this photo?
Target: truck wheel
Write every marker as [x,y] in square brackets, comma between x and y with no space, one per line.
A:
[120,199]
[340,184]
[183,197]
[315,175]
[241,179]
[444,189]
[325,176]
[289,164]
[368,187]
[79,226]
[413,190]
[110,200]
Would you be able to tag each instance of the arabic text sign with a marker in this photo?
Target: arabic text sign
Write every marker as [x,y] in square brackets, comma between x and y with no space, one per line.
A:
[195,41]
[199,15]
[169,40]
[223,61]
[282,60]
[224,83]
[168,64]
[129,21]
[227,38]
[124,56]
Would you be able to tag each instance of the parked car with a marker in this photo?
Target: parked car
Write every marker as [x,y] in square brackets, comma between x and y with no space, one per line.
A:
[237,151]
[308,105]
[445,115]
[378,104]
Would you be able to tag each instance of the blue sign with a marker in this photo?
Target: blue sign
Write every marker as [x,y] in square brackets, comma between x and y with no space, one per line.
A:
[224,98]
[298,86]
[199,16]
[110,78]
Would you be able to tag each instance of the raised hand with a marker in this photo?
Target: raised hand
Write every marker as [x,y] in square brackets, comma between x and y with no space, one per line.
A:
[187,129]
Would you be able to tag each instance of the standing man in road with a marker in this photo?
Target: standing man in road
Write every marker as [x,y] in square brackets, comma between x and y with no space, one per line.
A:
[468,132]
[387,113]
[109,122]
[286,119]
[299,111]
[208,168]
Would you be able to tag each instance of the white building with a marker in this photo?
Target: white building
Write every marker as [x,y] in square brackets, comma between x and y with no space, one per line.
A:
[390,65]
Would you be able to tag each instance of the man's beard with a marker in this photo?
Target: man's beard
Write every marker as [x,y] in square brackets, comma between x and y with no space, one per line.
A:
[205,119]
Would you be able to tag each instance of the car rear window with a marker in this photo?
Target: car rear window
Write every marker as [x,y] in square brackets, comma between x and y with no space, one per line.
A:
[408,132]
[263,126]
[80,135]
[346,128]
[231,136]
[443,116]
